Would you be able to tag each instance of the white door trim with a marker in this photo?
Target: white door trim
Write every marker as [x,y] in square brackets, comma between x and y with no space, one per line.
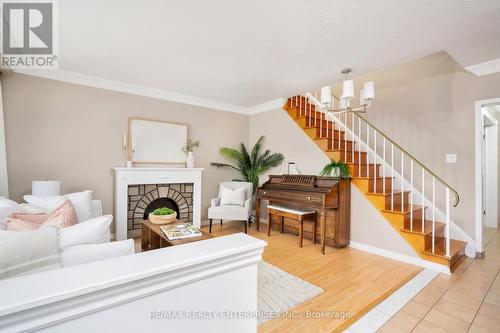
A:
[478,174]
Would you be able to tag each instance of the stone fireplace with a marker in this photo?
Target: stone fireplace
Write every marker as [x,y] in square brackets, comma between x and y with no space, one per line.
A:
[140,190]
[145,198]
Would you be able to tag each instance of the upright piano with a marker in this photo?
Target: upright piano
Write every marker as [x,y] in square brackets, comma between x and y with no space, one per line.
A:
[329,197]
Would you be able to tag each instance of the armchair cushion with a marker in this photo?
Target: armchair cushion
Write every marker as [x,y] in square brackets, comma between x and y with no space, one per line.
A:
[229,212]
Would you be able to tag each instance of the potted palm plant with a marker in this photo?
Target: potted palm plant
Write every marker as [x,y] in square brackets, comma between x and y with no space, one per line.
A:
[335,169]
[250,165]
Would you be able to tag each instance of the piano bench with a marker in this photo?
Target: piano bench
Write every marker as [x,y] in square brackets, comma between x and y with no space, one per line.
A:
[294,214]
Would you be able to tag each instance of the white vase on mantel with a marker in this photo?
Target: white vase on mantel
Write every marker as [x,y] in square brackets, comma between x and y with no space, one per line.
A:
[190,160]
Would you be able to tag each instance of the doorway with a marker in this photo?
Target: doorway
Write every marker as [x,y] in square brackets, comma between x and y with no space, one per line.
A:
[487,172]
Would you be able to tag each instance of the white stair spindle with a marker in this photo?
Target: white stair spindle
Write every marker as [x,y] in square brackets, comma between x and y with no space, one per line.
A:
[327,121]
[433,212]
[352,137]
[374,161]
[310,113]
[359,148]
[321,123]
[447,226]
[423,200]
[367,150]
[333,133]
[402,181]
[338,145]
[345,137]
[383,165]
[315,109]
[411,194]
[392,176]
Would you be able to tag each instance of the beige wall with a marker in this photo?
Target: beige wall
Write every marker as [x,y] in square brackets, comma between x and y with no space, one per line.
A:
[427,106]
[73,133]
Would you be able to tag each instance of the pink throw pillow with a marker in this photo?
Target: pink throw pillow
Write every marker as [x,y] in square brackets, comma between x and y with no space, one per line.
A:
[63,216]
[25,221]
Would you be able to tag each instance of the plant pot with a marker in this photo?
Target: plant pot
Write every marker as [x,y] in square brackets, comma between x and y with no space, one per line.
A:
[163,219]
[336,172]
[190,160]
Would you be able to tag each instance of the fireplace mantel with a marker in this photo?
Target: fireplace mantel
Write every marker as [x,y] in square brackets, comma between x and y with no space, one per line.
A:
[144,175]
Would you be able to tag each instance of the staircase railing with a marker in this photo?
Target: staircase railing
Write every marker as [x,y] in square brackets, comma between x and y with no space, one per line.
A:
[382,152]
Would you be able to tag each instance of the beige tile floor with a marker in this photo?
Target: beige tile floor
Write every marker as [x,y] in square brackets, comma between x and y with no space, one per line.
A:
[467,301]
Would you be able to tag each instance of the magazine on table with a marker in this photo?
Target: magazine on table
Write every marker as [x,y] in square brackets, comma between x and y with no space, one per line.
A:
[180,231]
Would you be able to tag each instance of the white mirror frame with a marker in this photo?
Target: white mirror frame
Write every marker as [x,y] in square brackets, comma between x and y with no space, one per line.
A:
[156,142]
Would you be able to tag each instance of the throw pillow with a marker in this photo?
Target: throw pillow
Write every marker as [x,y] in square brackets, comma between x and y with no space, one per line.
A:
[81,254]
[63,216]
[30,251]
[92,231]
[229,196]
[80,200]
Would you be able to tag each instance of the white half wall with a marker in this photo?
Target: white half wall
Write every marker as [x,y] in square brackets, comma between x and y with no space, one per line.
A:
[186,288]
[4,185]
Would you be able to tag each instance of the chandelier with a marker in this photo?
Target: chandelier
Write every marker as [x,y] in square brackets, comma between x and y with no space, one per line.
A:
[365,96]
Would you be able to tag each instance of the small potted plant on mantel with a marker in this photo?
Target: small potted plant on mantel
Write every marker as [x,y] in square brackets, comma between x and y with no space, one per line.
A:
[335,169]
[188,150]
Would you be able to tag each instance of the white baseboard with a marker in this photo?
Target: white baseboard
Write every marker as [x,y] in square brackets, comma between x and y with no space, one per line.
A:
[400,257]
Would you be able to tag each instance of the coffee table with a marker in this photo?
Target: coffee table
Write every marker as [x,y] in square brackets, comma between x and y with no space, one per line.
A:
[153,238]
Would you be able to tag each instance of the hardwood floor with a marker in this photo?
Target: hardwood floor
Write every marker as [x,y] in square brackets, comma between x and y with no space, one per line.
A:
[353,281]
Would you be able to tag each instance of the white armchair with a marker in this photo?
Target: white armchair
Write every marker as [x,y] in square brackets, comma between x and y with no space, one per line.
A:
[232,212]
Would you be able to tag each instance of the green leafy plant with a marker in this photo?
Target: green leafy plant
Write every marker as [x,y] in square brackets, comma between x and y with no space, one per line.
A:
[163,211]
[331,167]
[250,166]
[190,145]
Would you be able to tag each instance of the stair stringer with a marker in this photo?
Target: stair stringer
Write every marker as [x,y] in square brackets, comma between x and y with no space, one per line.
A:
[455,231]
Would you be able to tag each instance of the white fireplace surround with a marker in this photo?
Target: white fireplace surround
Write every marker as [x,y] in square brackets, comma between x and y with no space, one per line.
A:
[143,175]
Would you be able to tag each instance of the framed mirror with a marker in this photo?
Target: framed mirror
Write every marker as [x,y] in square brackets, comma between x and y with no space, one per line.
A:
[154,141]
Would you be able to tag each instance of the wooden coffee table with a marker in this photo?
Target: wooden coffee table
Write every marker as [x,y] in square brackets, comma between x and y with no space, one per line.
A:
[153,238]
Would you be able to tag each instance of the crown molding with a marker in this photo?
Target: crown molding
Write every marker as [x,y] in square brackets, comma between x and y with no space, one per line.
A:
[268,106]
[485,68]
[123,87]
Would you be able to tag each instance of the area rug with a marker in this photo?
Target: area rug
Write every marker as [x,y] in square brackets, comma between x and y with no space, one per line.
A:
[278,292]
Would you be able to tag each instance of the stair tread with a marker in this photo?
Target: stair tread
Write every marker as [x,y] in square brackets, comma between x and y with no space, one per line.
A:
[405,211]
[417,227]
[348,151]
[335,139]
[386,194]
[456,246]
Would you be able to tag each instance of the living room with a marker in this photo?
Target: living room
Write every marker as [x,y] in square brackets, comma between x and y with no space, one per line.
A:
[197,170]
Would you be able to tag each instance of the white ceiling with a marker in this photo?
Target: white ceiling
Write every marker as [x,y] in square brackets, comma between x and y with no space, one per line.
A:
[250,52]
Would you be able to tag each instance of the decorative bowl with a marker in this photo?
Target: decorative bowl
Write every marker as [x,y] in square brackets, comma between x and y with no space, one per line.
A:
[163,219]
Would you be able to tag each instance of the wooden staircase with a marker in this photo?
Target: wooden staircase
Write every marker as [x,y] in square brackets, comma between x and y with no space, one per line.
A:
[412,223]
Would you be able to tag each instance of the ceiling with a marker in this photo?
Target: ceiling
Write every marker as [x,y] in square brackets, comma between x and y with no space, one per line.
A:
[250,52]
